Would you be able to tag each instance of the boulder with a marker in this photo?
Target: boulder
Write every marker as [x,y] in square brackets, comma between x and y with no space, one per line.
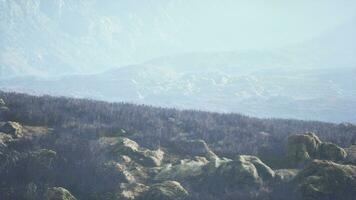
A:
[243,172]
[119,146]
[306,147]
[187,168]
[116,172]
[323,179]
[302,147]
[12,128]
[131,191]
[168,190]
[58,193]
[286,175]
[5,139]
[193,148]
[329,151]
[42,159]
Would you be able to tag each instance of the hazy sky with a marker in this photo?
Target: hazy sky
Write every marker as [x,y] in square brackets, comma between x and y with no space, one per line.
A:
[88,35]
[235,24]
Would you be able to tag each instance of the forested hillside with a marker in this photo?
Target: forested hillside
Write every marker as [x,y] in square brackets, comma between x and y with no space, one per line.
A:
[153,126]
[57,148]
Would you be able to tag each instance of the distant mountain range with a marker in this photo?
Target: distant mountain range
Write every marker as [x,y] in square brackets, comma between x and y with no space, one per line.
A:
[43,38]
[281,88]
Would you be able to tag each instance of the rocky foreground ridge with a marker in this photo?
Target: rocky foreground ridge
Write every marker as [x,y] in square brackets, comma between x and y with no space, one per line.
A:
[37,163]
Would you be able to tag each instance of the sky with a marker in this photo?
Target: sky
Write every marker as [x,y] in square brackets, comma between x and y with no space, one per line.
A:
[94,35]
[230,24]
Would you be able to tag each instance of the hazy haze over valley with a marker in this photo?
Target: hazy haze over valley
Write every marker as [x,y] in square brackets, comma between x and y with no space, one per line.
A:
[276,59]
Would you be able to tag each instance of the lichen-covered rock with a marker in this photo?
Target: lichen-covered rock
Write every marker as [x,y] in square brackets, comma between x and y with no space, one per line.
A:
[58,193]
[5,138]
[194,148]
[306,147]
[44,158]
[119,146]
[151,158]
[117,172]
[131,191]
[327,180]
[286,175]
[185,169]
[12,128]
[243,172]
[329,151]
[302,147]
[168,190]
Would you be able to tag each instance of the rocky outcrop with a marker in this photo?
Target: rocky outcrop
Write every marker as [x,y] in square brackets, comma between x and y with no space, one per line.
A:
[305,147]
[185,169]
[242,172]
[168,190]
[193,148]
[131,191]
[124,146]
[286,175]
[302,147]
[43,158]
[330,151]
[58,193]
[12,128]
[327,180]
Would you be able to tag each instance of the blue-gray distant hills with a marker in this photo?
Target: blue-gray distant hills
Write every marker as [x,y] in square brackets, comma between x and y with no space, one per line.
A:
[225,84]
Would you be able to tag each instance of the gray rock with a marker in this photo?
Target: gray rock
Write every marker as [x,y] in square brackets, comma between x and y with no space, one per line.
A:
[131,191]
[323,179]
[12,128]
[194,148]
[168,190]
[243,172]
[58,193]
[306,147]
[187,168]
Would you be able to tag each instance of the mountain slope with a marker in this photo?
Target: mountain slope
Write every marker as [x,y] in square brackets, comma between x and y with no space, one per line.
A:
[313,81]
